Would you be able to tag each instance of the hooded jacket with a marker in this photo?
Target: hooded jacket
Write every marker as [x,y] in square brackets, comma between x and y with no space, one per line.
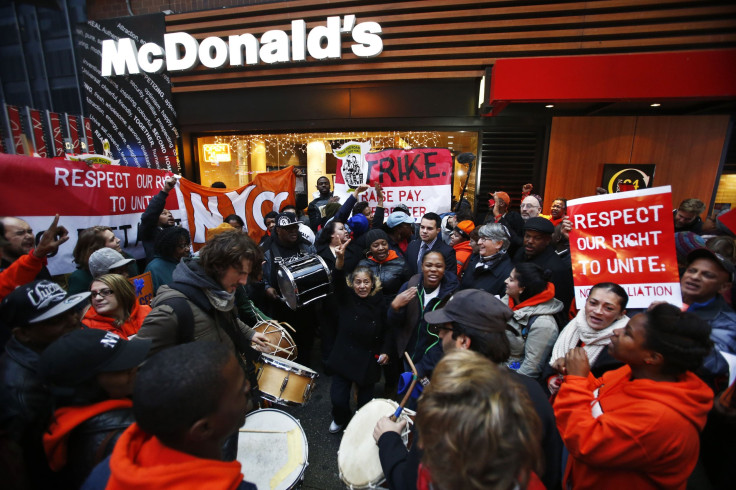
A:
[141,461]
[533,349]
[131,326]
[463,251]
[624,433]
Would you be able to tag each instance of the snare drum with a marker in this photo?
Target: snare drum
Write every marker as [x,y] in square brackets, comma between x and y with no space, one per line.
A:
[273,449]
[278,336]
[303,280]
[357,457]
[285,382]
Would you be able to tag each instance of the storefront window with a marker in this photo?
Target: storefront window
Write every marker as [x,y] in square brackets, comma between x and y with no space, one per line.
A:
[236,159]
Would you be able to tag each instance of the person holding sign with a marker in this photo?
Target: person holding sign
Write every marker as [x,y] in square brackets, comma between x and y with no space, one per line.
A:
[637,426]
[605,311]
[532,329]
[114,306]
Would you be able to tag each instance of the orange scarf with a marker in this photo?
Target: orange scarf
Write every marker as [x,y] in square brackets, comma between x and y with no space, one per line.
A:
[391,256]
[540,298]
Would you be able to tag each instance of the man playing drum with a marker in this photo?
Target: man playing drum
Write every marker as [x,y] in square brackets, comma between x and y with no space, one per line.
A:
[474,320]
[285,243]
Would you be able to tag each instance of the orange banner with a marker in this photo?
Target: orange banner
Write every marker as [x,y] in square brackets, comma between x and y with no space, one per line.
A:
[206,207]
[627,238]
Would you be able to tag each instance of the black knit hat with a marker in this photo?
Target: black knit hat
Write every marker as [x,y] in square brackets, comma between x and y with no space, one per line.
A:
[373,235]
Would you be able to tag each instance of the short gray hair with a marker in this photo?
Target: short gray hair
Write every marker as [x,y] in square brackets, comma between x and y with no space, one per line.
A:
[496,232]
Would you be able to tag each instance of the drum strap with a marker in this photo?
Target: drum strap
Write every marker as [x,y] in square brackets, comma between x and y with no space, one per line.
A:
[184,318]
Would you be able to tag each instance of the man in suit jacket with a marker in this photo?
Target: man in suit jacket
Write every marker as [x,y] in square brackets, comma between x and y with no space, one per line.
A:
[429,230]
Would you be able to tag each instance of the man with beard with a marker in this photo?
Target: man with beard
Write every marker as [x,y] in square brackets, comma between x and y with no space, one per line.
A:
[474,320]
[285,243]
[17,238]
[531,207]
[538,249]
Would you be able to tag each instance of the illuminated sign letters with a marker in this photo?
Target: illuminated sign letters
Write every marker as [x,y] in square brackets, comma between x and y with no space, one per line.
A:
[182,52]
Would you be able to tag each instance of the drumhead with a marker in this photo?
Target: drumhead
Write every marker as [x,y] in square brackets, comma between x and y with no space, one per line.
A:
[273,449]
[357,458]
[289,365]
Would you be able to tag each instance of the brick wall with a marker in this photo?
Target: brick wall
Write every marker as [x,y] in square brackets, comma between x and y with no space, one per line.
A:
[107,9]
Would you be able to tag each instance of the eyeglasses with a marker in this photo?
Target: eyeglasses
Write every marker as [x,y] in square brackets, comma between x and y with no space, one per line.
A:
[183,245]
[102,293]
[435,328]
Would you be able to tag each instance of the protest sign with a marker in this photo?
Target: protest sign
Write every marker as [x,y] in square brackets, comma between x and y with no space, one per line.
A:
[36,189]
[627,238]
[420,178]
[204,207]
[143,287]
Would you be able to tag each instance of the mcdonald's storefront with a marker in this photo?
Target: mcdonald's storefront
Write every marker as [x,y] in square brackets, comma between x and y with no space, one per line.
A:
[545,92]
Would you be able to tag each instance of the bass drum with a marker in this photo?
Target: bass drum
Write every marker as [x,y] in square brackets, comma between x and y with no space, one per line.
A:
[303,280]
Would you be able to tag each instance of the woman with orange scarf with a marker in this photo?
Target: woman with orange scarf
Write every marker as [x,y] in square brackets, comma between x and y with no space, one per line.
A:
[115,307]
[532,329]
[385,263]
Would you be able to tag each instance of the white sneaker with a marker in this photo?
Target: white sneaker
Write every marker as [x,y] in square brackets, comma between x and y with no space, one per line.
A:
[334,428]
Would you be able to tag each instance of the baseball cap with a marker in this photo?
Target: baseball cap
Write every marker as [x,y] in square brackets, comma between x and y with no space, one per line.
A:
[473,308]
[103,260]
[286,219]
[398,217]
[540,224]
[403,208]
[704,253]
[82,354]
[465,227]
[37,301]
[306,233]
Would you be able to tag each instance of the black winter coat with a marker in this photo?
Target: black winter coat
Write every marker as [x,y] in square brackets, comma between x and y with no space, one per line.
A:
[491,280]
[362,334]
[392,275]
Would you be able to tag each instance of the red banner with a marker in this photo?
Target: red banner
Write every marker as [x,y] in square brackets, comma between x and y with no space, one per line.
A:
[206,207]
[35,189]
[627,238]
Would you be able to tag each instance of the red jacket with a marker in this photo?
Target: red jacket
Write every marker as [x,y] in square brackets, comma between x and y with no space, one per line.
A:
[141,461]
[22,271]
[94,320]
[634,434]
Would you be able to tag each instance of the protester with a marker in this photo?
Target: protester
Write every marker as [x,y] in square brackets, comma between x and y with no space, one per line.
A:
[115,307]
[171,245]
[316,207]
[592,328]
[187,401]
[384,263]
[363,342]
[155,217]
[512,220]
[420,294]
[399,227]
[90,240]
[637,426]
[531,207]
[108,261]
[489,268]
[533,328]
[235,221]
[429,230]
[539,250]
[28,266]
[687,216]
[92,372]
[270,222]
[17,240]
[474,320]
[37,314]
[558,210]
[460,241]
[477,427]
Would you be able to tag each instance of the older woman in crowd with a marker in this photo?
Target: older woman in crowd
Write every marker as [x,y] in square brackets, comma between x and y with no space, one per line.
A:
[637,426]
[489,269]
[532,329]
[115,307]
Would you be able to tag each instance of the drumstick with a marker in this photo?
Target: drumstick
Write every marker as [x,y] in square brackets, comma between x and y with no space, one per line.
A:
[414,378]
[290,327]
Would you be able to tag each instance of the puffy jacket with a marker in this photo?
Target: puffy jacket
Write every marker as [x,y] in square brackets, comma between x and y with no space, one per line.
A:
[534,351]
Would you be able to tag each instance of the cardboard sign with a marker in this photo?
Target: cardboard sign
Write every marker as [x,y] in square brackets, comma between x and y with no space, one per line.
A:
[627,238]
[143,285]
[421,178]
